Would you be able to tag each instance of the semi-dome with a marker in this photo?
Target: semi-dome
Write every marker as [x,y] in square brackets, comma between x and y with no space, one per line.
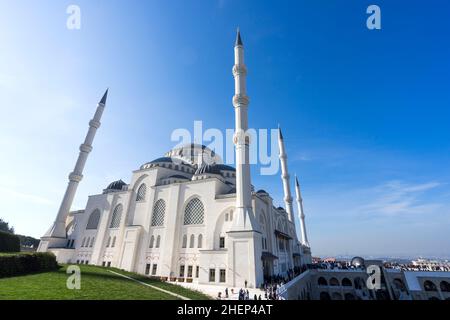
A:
[207,168]
[165,160]
[224,167]
[116,185]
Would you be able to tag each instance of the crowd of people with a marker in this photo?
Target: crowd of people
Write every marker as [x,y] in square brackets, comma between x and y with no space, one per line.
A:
[273,284]
[243,294]
[346,265]
[416,267]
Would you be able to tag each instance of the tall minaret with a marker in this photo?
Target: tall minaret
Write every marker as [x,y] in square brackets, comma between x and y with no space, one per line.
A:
[244,212]
[58,229]
[301,213]
[285,177]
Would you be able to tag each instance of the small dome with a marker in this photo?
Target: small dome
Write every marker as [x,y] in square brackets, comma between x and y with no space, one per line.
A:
[262,191]
[116,185]
[280,208]
[357,262]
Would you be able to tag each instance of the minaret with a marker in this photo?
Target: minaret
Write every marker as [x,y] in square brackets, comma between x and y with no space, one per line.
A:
[301,213]
[244,238]
[244,212]
[285,177]
[58,229]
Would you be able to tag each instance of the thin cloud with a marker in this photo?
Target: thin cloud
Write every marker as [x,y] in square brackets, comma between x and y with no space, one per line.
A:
[398,198]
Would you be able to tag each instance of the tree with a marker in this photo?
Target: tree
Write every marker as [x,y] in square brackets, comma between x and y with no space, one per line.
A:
[4,226]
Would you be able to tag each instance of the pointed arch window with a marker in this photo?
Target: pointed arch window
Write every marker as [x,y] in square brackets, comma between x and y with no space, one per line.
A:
[184,241]
[109,242]
[194,212]
[141,192]
[113,242]
[92,242]
[200,241]
[158,241]
[117,215]
[159,210]
[191,241]
[152,241]
[93,221]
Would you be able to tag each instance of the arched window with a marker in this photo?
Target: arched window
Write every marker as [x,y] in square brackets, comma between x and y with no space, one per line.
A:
[93,221]
[117,215]
[92,242]
[349,296]
[194,212]
[231,215]
[158,241]
[445,286]
[109,242]
[325,296]
[113,242]
[429,286]
[159,210]
[87,242]
[346,282]
[141,192]
[399,284]
[191,241]
[184,244]
[334,282]
[152,241]
[200,241]
[337,296]
[82,243]
[322,281]
[359,283]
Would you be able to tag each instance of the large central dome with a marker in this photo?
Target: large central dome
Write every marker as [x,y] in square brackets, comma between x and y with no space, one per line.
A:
[194,154]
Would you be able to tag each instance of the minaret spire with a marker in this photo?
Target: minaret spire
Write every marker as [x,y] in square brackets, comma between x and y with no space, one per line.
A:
[285,177]
[301,213]
[244,211]
[58,229]
[238,38]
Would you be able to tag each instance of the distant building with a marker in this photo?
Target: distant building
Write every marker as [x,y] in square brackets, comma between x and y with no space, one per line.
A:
[352,284]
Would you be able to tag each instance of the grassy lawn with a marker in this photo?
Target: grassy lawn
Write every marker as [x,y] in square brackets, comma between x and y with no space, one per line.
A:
[96,284]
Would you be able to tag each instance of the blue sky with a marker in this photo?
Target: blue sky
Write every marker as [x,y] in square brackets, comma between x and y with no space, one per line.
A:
[364,113]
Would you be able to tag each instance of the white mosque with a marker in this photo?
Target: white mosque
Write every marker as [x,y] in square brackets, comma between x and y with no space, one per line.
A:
[186,216]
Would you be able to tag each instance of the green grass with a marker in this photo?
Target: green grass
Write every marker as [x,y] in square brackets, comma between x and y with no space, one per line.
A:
[96,284]
[4,254]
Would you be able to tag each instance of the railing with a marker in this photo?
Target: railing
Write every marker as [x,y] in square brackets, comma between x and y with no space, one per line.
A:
[290,290]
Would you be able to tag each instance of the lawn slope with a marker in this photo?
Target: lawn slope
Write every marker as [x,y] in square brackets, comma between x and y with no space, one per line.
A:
[96,284]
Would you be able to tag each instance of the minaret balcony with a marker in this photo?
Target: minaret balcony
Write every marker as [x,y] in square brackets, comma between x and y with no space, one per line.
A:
[240,100]
[239,70]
